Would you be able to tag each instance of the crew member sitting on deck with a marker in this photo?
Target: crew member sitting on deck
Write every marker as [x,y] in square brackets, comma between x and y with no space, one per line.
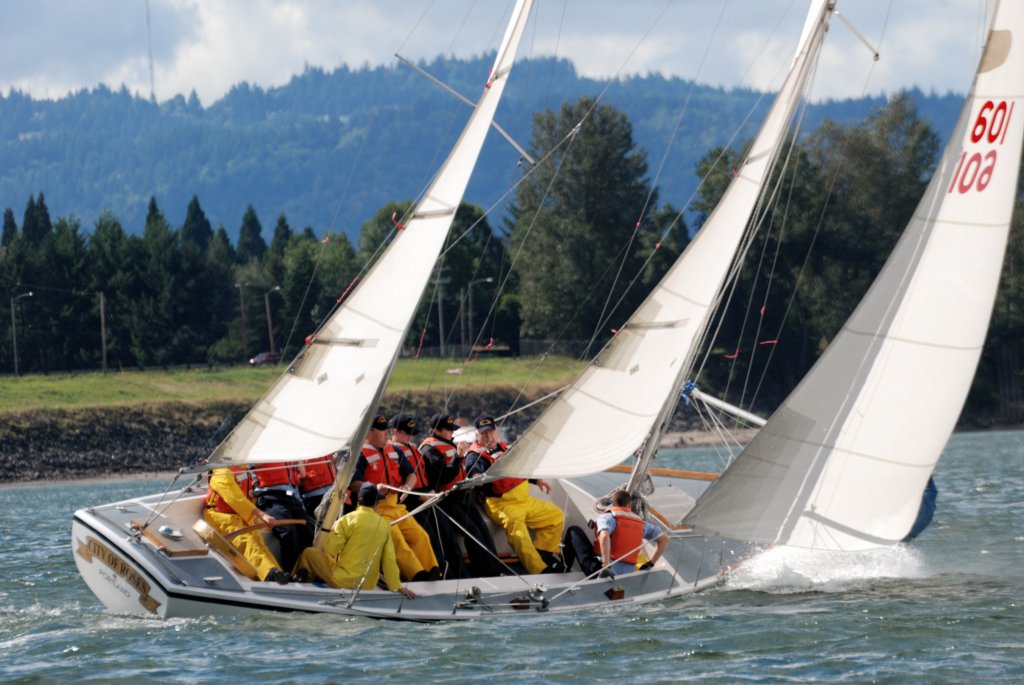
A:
[356,551]
[508,503]
[620,536]
[443,465]
[229,508]
[388,467]
[276,486]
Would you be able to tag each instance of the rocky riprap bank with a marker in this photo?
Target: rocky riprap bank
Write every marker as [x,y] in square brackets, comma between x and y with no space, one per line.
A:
[83,443]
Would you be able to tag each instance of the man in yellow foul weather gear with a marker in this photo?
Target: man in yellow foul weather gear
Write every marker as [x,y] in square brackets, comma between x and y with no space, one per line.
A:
[356,551]
[508,503]
[229,507]
[383,465]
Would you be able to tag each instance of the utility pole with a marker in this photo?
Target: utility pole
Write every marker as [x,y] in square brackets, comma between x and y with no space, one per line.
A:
[103,329]
[241,309]
[14,327]
[270,326]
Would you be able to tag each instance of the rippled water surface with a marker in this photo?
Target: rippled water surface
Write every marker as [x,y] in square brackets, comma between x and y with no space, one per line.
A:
[947,609]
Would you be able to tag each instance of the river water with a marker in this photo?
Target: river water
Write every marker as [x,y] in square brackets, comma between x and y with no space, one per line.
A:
[947,609]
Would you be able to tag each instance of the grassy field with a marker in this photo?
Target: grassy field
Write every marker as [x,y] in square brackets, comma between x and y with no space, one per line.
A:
[245,384]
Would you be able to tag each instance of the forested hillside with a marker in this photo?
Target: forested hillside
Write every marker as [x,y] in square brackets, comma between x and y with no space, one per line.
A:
[329,148]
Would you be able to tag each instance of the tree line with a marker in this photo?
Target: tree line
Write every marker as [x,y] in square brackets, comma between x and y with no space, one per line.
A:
[583,241]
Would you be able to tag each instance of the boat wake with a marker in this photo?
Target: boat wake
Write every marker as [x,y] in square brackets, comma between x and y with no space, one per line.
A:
[788,570]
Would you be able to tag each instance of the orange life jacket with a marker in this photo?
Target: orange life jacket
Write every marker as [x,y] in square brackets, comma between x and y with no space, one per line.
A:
[319,473]
[415,459]
[502,485]
[275,473]
[450,454]
[218,503]
[627,536]
[381,468]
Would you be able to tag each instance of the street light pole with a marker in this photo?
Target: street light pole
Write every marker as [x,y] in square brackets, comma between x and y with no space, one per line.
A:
[270,326]
[14,327]
[469,296]
[241,309]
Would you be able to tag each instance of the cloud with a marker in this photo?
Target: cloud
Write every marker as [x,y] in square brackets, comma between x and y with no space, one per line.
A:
[48,47]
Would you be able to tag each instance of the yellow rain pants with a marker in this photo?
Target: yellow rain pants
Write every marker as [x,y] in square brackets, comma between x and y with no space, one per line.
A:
[519,513]
[412,544]
[250,544]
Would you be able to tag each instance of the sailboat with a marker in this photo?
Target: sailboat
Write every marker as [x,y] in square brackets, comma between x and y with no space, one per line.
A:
[872,416]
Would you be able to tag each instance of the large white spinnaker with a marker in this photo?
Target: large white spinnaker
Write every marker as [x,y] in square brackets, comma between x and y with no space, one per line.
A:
[612,407]
[320,404]
[841,465]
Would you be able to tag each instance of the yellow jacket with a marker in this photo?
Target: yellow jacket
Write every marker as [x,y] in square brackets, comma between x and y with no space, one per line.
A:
[223,482]
[359,539]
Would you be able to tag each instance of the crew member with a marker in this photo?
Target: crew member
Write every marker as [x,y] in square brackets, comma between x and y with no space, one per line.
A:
[276,486]
[443,466]
[620,536]
[316,477]
[356,551]
[508,503]
[388,467]
[439,529]
[229,508]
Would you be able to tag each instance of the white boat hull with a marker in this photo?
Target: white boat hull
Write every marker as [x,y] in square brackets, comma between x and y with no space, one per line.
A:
[135,571]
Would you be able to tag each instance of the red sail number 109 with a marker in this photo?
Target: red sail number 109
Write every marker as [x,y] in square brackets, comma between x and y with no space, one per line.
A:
[975,168]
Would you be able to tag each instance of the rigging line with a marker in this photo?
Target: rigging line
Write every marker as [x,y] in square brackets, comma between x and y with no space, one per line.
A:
[821,218]
[416,26]
[767,207]
[682,111]
[554,60]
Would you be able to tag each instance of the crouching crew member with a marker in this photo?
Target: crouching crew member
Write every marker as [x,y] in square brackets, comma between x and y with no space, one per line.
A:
[382,466]
[356,551]
[229,508]
[620,535]
[443,465]
[277,493]
[508,503]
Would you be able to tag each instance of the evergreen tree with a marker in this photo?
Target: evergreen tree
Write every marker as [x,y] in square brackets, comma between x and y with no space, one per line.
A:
[273,260]
[196,230]
[574,218]
[30,222]
[156,331]
[10,230]
[110,272]
[250,237]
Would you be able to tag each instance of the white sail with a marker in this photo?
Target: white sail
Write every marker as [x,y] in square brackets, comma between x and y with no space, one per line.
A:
[842,463]
[319,404]
[611,409]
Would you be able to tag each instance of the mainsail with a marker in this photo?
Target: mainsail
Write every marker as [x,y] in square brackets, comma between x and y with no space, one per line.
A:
[842,463]
[614,405]
[320,405]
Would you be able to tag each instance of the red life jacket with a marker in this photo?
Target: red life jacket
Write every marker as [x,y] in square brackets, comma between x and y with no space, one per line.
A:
[319,473]
[381,468]
[213,498]
[415,460]
[502,485]
[450,454]
[275,473]
[627,536]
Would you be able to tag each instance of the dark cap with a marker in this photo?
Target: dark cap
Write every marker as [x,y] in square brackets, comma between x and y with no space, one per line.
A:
[404,423]
[368,494]
[443,422]
[484,424]
[379,423]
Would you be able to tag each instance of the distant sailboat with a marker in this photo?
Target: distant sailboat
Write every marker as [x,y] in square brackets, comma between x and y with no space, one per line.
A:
[840,466]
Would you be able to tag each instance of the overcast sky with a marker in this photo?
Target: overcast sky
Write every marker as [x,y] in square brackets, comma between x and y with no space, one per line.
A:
[51,47]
